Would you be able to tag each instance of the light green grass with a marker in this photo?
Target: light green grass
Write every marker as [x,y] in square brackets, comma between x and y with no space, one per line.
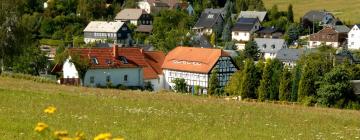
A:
[136,115]
[346,10]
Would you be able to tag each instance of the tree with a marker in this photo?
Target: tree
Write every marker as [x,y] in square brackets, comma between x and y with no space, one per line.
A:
[234,85]
[251,50]
[290,14]
[274,13]
[180,85]
[248,81]
[241,5]
[213,82]
[335,88]
[226,34]
[285,86]
[82,64]
[213,39]
[276,70]
[265,82]
[293,33]
[296,75]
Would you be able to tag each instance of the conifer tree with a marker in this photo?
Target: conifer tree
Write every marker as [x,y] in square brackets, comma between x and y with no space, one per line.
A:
[213,82]
[263,89]
[285,86]
[290,14]
[296,75]
[248,85]
[276,70]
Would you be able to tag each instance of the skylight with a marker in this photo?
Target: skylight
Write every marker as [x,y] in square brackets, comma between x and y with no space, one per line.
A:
[123,60]
[210,16]
[94,60]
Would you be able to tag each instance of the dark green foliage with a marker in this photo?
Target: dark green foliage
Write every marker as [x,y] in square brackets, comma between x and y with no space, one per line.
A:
[285,85]
[82,65]
[226,34]
[276,70]
[180,85]
[293,33]
[213,82]
[248,82]
[274,13]
[265,82]
[251,50]
[233,86]
[335,88]
[148,86]
[290,14]
[296,75]
[241,5]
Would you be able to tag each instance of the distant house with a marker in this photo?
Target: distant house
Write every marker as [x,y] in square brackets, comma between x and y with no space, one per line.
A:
[244,28]
[289,56]
[220,11]
[103,31]
[320,17]
[134,16]
[154,6]
[270,47]
[269,32]
[209,23]
[334,36]
[200,41]
[261,15]
[130,67]
[195,66]
[354,37]
[343,55]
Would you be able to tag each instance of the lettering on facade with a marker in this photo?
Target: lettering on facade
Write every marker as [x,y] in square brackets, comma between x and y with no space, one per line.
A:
[186,62]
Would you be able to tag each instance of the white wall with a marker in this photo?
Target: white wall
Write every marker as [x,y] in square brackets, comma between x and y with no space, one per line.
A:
[145,6]
[135,22]
[314,44]
[240,36]
[191,78]
[354,38]
[135,77]
[69,69]
[158,84]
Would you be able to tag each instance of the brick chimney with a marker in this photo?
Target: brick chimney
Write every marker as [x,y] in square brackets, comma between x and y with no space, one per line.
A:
[115,51]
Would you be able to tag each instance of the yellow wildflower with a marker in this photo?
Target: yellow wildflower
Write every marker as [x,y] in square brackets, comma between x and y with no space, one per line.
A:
[66,138]
[50,110]
[41,127]
[61,134]
[103,136]
[119,138]
[79,136]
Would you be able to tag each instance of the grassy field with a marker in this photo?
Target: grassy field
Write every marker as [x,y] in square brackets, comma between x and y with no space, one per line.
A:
[136,115]
[346,10]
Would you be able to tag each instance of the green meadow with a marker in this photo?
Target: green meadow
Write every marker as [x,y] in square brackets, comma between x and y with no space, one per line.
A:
[165,115]
[346,10]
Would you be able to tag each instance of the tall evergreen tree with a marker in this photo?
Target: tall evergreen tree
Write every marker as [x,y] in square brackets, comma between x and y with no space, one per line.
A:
[276,70]
[306,83]
[241,5]
[226,34]
[213,82]
[251,50]
[285,85]
[296,75]
[274,13]
[290,14]
[265,82]
[248,82]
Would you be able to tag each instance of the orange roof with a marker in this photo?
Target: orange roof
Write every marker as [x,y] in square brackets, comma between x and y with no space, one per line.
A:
[199,60]
[150,61]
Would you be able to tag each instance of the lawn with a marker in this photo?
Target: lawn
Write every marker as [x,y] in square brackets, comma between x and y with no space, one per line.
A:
[346,10]
[137,115]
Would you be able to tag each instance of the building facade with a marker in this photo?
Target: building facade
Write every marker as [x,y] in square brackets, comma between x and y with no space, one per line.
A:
[102,31]
[354,38]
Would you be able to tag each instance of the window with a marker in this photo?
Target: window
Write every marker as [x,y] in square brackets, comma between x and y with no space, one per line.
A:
[124,28]
[273,46]
[108,78]
[264,46]
[352,43]
[210,16]
[125,78]
[119,34]
[92,79]
[123,60]
[94,60]
[352,35]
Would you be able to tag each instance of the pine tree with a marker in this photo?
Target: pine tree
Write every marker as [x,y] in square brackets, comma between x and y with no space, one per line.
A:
[274,13]
[226,34]
[265,82]
[213,82]
[290,14]
[296,75]
[251,50]
[213,39]
[248,85]
[241,5]
[285,86]
[233,86]
[276,70]
[306,83]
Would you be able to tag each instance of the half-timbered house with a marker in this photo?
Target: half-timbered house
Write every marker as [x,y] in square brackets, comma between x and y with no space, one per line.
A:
[195,66]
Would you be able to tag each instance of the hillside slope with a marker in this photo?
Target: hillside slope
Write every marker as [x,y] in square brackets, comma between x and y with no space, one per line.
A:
[136,115]
[346,10]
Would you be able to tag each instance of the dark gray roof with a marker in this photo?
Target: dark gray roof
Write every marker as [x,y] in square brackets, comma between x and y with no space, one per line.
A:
[341,28]
[253,14]
[270,45]
[289,55]
[242,27]
[316,15]
[247,20]
[215,11]
[267,30]
[201,41]
[207,20]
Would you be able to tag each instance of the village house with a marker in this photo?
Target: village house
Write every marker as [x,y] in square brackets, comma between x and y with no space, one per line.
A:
[334,36]
[130,67]
[319,17]
[289,56]
[134,16]
[261,15]
[209,23]
[195,66]
[155,6]
[269,32]
[103,31]
[270,47]
[354,37]
[244,28]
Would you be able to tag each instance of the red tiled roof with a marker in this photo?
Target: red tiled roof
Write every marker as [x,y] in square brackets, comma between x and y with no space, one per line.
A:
[150,61]
[199,60]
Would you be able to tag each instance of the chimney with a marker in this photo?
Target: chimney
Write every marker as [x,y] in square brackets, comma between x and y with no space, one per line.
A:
[115,51]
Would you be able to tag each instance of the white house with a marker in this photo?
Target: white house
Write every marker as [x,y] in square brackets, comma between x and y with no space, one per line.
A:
[354,37]
[195,66]
[244,28]
[130,67]
[289,56]
[153,6]
[103,31]
[134,16]
[269,47]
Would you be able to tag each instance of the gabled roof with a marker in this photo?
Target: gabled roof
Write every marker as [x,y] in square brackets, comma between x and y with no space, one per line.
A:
[103,26]
[150,61]
[270,45]
[267,30]
[341,28]
[245,24]
[287,54]
[208,20]
[253,14]
[197,60]
[248,20]
[130,14]
[316,15]
[215,11]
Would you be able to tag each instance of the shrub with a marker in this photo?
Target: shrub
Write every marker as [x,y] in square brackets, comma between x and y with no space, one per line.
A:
[40,79]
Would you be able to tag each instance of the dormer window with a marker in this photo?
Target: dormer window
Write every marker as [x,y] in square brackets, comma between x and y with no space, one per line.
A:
[123,60]
[210,16]
[264,46]
[273,46]
[94,60]
[108,61]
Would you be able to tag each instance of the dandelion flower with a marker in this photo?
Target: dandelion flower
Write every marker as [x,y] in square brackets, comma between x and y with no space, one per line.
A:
[41,127]
[50,110]
[61,134]
[103,136]
[119,138]
[79,136]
